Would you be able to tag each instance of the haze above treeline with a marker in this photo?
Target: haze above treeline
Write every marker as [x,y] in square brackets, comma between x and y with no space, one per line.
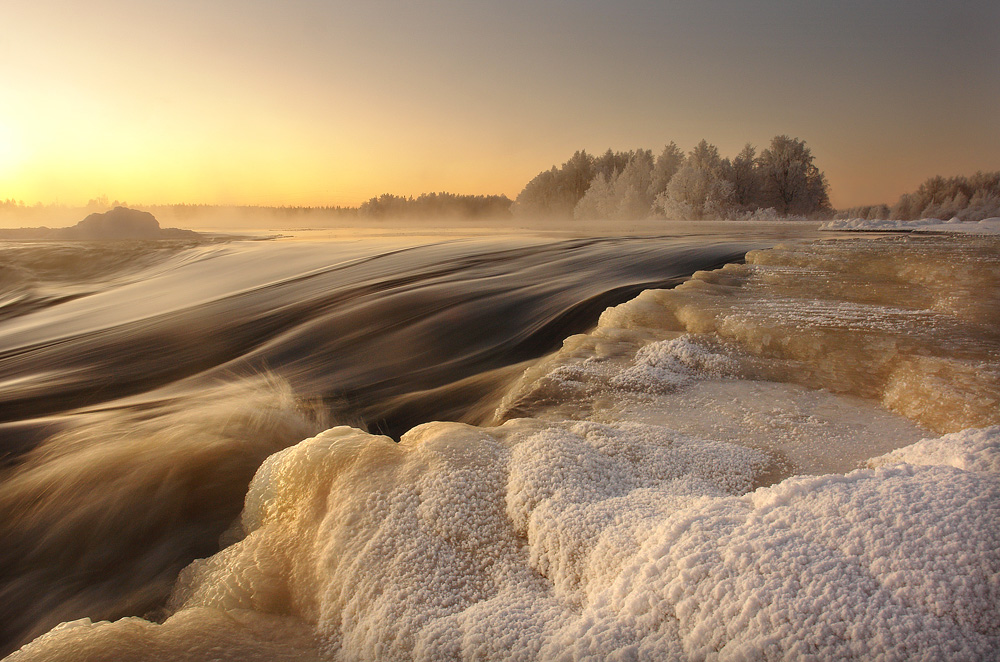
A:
[780,181]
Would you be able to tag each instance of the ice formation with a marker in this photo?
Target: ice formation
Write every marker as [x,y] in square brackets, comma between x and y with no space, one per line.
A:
[585,541]
[911,322]
[632,503]
[672,363]
[953,225]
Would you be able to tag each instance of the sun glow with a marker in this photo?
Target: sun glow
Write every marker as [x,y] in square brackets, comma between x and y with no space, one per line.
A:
[326,105]
[11,151]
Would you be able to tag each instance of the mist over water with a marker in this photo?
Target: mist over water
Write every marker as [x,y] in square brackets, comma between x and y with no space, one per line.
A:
[142,383]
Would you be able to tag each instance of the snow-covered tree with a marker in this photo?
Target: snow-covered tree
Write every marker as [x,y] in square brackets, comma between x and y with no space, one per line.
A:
[790,182]
[621,196]
[611,163]
[599,201]
[667,164]
[781,181]
[745,177]
[982,204]
[436,205]
[699,189]
[970,198]
[554,193]
[705,156]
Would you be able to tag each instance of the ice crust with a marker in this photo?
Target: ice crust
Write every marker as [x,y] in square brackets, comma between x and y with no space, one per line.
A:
[911,322]
[616,536]
[540,540]
[953,225]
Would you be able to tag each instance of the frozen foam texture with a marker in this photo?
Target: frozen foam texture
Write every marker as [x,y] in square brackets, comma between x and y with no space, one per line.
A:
[661,366]
[911,322]
[541,540]
[969,450]
[547,539]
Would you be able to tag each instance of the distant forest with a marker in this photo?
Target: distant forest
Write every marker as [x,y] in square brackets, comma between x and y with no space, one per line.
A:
[436,205]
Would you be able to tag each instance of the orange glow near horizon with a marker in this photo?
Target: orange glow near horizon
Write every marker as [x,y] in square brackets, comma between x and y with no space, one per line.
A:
[324,104]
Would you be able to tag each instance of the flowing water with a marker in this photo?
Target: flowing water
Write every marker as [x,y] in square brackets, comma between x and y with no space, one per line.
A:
[677,478]
[142,383]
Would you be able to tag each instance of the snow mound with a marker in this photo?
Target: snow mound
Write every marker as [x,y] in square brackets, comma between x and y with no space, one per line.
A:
[669,364]
[969,450]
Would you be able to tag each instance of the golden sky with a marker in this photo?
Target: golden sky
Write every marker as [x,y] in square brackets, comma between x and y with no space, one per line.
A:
[319,102]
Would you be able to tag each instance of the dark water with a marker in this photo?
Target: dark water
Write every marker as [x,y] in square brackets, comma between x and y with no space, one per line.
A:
[142,384]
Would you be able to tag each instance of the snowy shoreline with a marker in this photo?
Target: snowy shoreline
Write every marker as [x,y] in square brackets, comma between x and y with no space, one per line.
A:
[988,226]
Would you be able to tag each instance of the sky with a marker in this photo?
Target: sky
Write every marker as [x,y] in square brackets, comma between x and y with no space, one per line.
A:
[322,102]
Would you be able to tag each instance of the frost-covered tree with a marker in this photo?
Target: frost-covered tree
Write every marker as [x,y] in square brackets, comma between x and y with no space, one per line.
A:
[781,181]
[790,182]
[696,194]
[969,198]
[868,212]
[705,156]
[436,205]
[906,208]
[611,163]
[554,193]
[667,164]
[620,196]
[699,189]
[633,185]
[982,204]
[599,201]
[745,177]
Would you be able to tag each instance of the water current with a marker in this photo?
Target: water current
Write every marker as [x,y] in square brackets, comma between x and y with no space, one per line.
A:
[142,383]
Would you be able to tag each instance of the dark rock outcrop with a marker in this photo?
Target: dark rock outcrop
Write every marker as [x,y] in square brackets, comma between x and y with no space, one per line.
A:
[118,224]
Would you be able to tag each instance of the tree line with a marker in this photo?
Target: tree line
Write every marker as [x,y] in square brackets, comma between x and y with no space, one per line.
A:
[436,205]
[781,181]
[971,198]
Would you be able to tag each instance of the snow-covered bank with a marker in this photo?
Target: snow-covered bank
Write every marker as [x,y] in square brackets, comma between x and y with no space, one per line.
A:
[988,226]
[738,468]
